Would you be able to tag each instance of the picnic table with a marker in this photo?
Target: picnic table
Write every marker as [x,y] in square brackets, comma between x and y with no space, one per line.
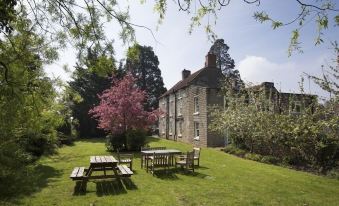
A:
[147,153]
[105,164]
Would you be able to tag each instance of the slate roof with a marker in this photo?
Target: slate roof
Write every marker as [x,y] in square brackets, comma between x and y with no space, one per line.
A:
[184,83]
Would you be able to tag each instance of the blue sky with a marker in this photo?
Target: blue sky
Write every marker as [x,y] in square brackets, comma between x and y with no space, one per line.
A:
[260,53]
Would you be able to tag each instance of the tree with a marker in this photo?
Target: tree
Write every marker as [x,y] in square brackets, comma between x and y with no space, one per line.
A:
[121,107]
[29,115]
[144,65]
[89,80]
[226,63]
[330,75]
[7,12]
[224,60]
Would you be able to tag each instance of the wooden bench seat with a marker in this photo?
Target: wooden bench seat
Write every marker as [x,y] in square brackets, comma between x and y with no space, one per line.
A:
[77,173]
[125,171]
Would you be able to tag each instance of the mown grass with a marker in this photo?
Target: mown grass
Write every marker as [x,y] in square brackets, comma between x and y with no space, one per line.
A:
[222,179]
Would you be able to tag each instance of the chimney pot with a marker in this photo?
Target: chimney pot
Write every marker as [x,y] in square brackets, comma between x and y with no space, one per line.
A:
[185,73]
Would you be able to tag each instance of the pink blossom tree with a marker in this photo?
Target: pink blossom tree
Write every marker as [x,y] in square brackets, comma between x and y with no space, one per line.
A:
[121,107]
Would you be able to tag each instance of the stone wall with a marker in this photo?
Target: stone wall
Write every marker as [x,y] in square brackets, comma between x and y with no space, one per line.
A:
[215,100]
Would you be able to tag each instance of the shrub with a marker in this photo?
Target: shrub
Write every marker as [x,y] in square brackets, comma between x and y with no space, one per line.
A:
[135,139]
[115,141]
[131,140]
[232,149]
[254,157]
[65,133]
[38,144]
[270,160]
[334,173]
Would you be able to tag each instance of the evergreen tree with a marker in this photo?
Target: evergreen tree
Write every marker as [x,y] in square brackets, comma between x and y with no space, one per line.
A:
[226,63]
[144,65]
[89,80]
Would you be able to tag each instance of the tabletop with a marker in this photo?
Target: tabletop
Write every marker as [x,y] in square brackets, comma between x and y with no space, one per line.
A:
[171,151]
[102,160]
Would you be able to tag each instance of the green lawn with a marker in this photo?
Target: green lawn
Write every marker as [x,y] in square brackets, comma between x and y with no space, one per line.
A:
[222,179]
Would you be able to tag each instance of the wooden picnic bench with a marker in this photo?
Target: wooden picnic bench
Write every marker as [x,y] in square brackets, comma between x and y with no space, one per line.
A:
[77,173]
[101,163]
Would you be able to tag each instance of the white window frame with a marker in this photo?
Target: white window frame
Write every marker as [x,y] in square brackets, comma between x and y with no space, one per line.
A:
[180,128]
[294,107]
[196,131]
[196,105]
[163,126]
[179,107]
[170,127]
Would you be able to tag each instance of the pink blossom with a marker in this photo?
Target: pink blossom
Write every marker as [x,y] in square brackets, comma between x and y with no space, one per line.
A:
[121,107]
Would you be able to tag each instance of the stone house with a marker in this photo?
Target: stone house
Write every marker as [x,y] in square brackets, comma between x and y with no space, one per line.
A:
[186,105]
[281,102]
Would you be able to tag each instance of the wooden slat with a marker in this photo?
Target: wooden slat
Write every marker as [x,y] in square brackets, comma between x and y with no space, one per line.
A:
[109,159]
[121,168]
[97,159]
[125,170]
[128,171]
[74,172]
[81,172]
[106,159]
[102,159]
[92,159]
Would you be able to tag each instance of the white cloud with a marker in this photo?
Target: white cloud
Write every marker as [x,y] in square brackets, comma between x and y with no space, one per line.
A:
[286,75]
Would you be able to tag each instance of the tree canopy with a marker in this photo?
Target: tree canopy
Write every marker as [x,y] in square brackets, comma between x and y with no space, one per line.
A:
[121,107]
[226,63]
[89,80]
[144,65]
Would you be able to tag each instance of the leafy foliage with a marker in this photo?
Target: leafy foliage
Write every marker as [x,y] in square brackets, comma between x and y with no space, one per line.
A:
[144,65]
[29,115]
[330,77]
[224,60]
[121,107]
[130,140]
[121,113]
[309,140]
[7,15]
[89,80]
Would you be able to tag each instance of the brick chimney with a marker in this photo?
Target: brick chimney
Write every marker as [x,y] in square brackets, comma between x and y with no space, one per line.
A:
[211,60]
[185,73]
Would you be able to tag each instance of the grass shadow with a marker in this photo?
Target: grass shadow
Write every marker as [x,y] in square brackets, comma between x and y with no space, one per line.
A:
[168,174]
[129,184]
[28,182]
[201,167]
[80,188]
[111,187]
[91,140]
[191,173]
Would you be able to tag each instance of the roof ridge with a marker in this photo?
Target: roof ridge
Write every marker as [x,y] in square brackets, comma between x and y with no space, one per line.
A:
[184,82]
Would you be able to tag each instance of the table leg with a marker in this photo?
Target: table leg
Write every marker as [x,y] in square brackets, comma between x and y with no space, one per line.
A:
[89,171]
[116,172]
[142,160]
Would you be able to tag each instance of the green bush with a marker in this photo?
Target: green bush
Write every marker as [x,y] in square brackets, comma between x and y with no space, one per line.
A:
[307,140]
[135,139]
[38,144]
[270,160]
[232,149]
[334,173]
[116,142]
[254,157]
